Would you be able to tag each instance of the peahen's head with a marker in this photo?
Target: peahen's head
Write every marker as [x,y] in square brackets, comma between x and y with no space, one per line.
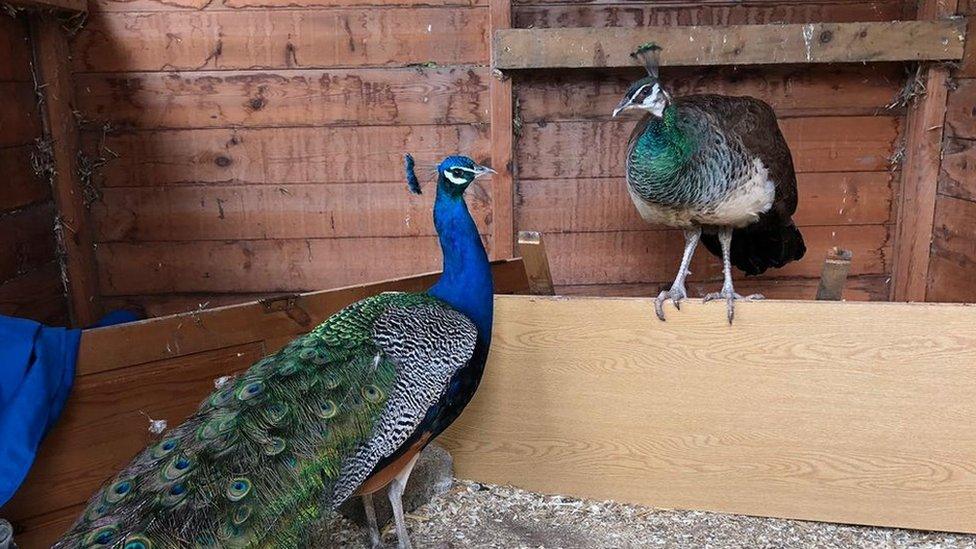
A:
[648,93]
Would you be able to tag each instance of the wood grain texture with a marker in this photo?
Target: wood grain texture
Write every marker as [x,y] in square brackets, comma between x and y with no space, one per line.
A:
[351,97]
[282,155]
[255,5]
[66,6]
[14,50]
[20,187]
[792,91]
[967,68]
[249,212]
[272,39]
[799,410]
[953,259]
[632,14]
[502,141]
[732,45]
[597,148]
[603,204]
[44,530]
[26,240]
[37,295]
[960,116]
[105,423]
[859,288]
[532,248]
[19,117]
[958,175]
[628,257]
[51,59]
[170,304]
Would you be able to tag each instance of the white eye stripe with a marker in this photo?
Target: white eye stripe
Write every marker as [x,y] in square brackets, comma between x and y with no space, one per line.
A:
[455,179]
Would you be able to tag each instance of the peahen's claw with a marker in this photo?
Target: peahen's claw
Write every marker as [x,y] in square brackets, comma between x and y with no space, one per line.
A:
[730,298]
[675,294]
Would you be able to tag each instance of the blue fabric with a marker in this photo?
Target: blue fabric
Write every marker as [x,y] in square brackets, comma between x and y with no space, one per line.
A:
[37,369]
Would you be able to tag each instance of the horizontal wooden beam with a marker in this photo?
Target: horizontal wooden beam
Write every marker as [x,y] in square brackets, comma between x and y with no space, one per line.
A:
[73,6]
[732,45]
[800,409]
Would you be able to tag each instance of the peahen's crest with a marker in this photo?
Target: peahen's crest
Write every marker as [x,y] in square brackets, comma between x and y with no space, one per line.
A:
[650,55]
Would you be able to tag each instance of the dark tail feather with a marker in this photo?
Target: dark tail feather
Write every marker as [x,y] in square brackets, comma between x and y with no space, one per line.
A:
[760,246]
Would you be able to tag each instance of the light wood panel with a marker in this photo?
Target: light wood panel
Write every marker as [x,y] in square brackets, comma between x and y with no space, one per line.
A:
[231,212]
[598,148]
[273,39]
[792,91]
[626,257]
[732,45]
[539,14]
[603,204]
[349,97]
[801,410]
[282,155]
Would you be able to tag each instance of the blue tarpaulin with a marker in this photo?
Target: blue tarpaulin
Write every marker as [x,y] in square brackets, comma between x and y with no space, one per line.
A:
[37,369]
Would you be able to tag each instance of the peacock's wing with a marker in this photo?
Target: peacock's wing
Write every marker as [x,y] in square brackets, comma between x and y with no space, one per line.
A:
[293,437]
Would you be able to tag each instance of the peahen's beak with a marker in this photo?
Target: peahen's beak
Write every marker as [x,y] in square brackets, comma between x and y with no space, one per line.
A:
[624,103]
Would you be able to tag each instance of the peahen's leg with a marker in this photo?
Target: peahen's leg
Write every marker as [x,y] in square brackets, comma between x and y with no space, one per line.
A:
[728,292]
[677,291]
[397,486]
[374,529]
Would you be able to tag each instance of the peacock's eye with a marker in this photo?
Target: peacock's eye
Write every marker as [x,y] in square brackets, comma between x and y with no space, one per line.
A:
[457,172]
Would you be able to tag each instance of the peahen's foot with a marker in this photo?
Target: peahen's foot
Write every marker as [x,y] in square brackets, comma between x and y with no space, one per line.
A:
[675,294]
[730,297]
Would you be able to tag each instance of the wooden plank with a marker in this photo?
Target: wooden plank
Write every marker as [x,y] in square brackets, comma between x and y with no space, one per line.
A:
[19,118]
[20,186]
[953,259]
[37,295]
[171,304]
[68,6]
[286,98]
[960,118]
[281,155]
[26,240]
[51,60]
[835,90]
[968,67]
[584,205]
[15,50]
[44,530]
[834,275]
[502,142]
[232,212]
[227,40]
[653,256]
[134,343]
[801,409]
[924,131]
[105,423]
[598,148]
[859,288]
[958,165]
[221,5]
[732,45]
[532,248]
[539,14]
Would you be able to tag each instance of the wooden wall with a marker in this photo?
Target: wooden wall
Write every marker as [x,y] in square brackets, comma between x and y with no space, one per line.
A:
[30,276]
[952,263]
[570,152]
[255,145]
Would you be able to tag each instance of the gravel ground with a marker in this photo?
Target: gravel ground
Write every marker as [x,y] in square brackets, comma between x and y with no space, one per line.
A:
[473,515]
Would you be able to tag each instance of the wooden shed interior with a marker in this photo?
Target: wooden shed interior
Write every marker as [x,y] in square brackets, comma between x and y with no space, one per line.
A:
[178,155]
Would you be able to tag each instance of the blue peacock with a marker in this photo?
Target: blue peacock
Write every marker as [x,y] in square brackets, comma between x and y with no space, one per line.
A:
[717,167]
[341,411]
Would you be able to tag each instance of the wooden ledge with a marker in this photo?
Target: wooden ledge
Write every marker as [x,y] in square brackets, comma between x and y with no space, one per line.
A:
[941,40]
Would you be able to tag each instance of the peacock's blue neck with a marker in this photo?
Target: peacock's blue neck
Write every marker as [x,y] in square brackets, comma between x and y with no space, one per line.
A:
[466,283]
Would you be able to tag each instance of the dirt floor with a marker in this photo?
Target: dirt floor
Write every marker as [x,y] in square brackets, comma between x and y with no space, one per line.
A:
[472,515]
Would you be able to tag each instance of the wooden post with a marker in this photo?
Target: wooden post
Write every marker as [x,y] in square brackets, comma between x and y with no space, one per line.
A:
[533,251]
[924,130]
[834,275]
[503,183]
[53,75]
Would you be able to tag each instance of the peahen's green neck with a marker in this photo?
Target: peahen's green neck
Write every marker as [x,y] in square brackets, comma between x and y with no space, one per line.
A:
[662,152]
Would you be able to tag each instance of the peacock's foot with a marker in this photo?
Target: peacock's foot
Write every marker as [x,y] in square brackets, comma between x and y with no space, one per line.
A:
[730,297]
[675,294]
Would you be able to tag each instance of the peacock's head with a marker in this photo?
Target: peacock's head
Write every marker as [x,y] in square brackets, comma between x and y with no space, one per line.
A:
[455,173]
[648,93]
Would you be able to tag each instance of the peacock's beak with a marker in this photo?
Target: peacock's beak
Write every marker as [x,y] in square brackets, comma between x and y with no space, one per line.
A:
[482,170]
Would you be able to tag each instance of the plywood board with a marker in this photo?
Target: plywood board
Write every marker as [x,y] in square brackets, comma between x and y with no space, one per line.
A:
[732,45]
[800,409]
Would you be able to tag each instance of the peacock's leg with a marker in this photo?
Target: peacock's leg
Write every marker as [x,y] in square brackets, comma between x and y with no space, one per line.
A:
[374,529]
[728,292]
[677,291]
[397,485]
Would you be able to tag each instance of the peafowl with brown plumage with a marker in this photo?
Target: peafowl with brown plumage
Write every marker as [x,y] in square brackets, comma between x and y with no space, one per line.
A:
[341,411]
[718,168]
